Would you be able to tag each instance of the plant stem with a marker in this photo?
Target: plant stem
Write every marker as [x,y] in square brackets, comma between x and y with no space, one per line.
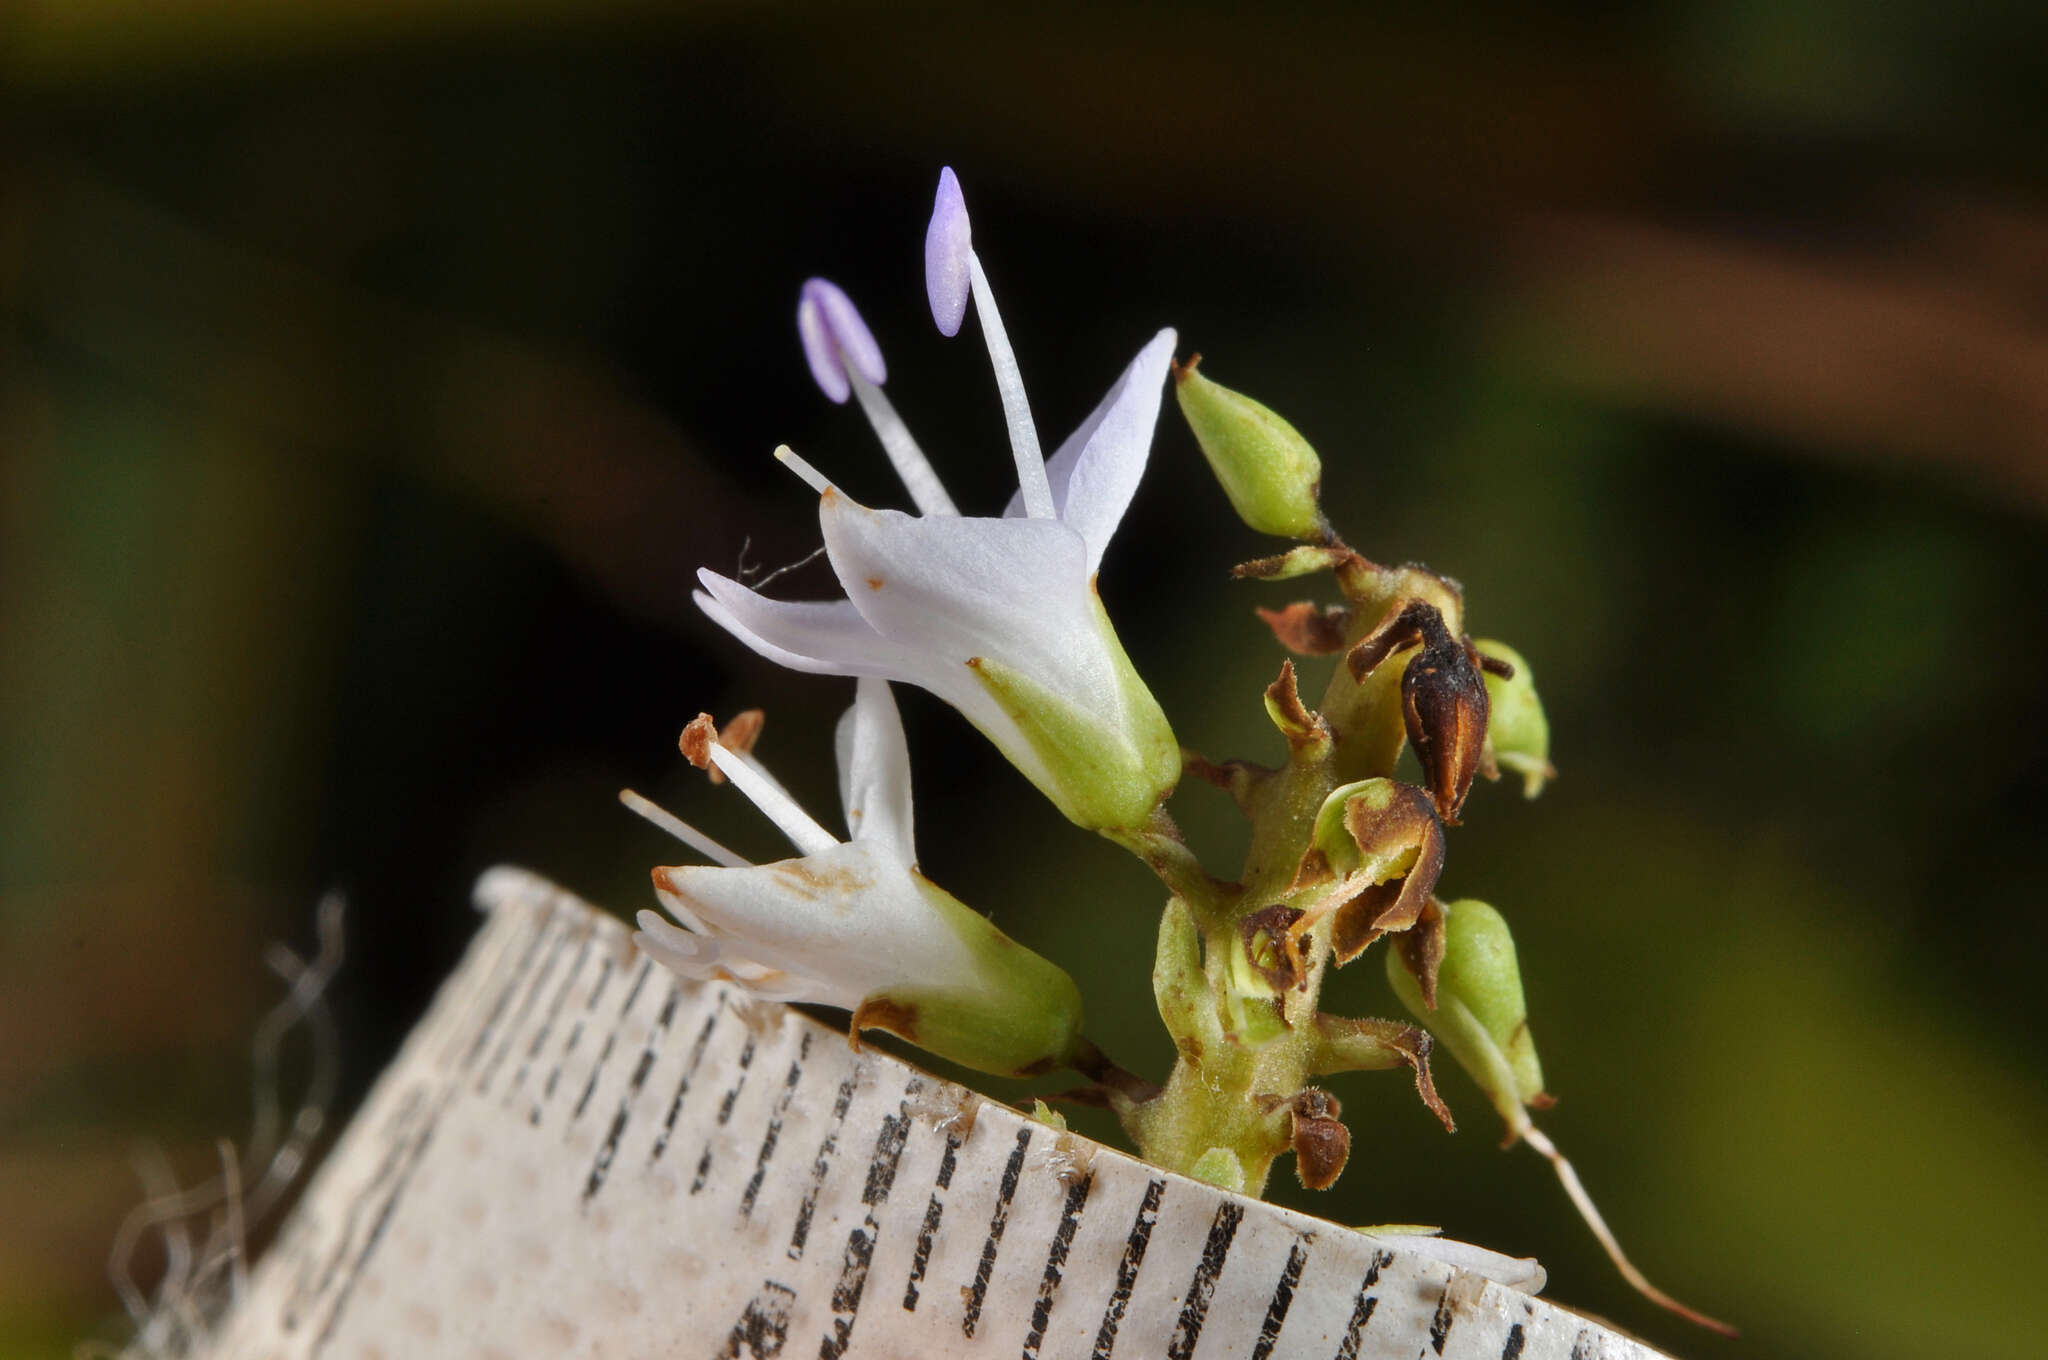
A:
[1248,1047]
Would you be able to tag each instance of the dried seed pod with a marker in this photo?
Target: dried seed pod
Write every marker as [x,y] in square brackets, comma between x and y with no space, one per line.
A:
[1444,703]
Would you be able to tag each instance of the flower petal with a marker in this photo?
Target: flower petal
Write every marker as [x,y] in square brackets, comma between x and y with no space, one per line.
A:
[834,639]
[1012,589]
[874,771]
[822,638]
[680,951]
[852,918]
[703,958]
[1097,470]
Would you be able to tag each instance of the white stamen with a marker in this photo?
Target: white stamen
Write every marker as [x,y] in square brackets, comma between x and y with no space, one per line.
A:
[1533,1136]
[1031,479]
[912,466]
[682,831]
[754,764]
[806,835]
[788,456]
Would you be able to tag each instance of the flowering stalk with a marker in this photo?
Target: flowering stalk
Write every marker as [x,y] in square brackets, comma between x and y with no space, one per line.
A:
[999,617]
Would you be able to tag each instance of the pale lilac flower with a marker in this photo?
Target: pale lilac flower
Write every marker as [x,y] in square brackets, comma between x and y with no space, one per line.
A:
[997,616]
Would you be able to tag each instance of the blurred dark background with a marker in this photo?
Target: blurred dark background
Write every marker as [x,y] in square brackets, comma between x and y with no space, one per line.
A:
[375,375]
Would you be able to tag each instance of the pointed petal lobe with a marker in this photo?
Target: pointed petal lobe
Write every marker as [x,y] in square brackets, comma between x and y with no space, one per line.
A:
[874,771]
[1096,471]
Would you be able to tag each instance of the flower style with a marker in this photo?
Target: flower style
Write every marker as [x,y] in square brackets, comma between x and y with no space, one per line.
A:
[997,616]
[853,924]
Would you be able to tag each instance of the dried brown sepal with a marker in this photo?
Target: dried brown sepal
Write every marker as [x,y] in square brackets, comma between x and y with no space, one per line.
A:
[1208,771]
[1271,947]
[1425,1085]
[1397,904]
[1396,630]
[1300,562]
[1322,1145]
[879,1012]
[1238,778]
[695,743]
[1368,1045]
[1313,869]
[1422,950]
[1308,628]
[1304,728]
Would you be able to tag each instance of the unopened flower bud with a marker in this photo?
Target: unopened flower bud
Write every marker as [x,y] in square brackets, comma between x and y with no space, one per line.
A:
[1518,734]
[1268,470]
[1480,1013]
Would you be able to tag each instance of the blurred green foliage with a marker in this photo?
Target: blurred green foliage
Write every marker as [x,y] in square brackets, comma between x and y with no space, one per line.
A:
[374,377]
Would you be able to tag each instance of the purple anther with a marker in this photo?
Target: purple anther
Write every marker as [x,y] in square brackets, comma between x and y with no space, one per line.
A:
[836,339]
[948,246]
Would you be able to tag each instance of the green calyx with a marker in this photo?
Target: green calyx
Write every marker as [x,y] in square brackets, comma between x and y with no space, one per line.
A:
[1104,773]
[1023,1018]
[1268,470]
[1518,734]
[1480,1012]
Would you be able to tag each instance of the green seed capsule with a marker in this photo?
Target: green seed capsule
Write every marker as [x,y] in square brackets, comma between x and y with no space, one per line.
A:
[1519,734]
[1480,1014]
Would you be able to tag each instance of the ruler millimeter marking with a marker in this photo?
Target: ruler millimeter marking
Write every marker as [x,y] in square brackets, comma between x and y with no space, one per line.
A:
[576,1154]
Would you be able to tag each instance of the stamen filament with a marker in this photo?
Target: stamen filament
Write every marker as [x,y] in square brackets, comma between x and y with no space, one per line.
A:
[1031,479]
[1584,1203]
[787,456]
[919,479]
[806,835]
[682,830]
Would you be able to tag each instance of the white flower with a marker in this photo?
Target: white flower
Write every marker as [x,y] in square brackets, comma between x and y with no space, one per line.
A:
[997,616]
[854,924]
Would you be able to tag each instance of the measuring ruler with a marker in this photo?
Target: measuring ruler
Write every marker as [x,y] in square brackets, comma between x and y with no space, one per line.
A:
[579,1154]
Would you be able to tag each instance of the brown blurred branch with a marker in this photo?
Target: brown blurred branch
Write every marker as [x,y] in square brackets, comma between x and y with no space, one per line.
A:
[1931,355]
